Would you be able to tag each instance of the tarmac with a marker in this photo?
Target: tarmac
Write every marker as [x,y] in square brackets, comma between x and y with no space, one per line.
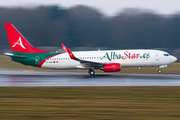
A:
[33,78]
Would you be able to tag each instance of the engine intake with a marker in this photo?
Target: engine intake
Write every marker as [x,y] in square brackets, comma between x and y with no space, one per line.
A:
[112,67]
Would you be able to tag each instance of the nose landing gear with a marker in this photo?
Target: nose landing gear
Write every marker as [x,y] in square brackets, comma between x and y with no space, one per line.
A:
[91,72]
[159,71]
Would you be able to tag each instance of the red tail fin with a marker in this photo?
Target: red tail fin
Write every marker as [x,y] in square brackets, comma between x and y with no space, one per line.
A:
[18,42]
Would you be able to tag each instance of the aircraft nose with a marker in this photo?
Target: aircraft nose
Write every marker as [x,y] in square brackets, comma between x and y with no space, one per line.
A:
[173,59]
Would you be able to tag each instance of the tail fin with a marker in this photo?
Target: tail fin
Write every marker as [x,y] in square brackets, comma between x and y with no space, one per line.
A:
[17,41]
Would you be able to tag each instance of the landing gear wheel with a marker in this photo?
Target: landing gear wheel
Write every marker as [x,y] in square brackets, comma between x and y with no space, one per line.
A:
[91,72]
[159,71]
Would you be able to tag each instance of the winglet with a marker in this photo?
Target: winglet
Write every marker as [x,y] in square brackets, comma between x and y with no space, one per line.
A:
[64,47]
[70,54]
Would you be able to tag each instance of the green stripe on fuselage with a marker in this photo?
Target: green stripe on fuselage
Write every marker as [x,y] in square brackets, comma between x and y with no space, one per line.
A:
[32,59]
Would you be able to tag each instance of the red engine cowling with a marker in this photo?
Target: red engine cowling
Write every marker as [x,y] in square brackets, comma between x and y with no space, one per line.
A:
[112,67]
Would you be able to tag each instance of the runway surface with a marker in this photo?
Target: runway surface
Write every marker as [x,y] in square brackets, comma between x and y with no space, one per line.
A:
[20,78]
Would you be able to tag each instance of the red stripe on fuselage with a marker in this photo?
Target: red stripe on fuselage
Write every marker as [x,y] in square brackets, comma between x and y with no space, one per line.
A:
[42,62]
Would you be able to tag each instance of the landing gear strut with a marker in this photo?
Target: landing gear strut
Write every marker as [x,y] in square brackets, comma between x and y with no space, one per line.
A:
[91,72]
[159,71]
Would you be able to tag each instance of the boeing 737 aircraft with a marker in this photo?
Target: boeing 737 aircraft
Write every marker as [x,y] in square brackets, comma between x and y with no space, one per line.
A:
[106,60]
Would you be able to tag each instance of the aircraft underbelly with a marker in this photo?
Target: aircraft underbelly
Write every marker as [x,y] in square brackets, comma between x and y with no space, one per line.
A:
[136,63]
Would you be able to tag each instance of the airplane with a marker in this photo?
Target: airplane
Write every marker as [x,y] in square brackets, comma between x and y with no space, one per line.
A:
[106,60]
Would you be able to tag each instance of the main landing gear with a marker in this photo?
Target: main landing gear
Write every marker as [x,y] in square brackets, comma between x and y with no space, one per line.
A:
[91,72]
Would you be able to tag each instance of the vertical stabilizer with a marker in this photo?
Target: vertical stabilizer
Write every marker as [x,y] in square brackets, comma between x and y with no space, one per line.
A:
[17,41]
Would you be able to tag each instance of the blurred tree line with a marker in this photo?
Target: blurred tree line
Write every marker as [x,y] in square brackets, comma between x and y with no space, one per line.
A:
[83,26]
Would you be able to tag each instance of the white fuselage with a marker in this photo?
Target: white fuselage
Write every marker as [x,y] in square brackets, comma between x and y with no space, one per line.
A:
[126,58]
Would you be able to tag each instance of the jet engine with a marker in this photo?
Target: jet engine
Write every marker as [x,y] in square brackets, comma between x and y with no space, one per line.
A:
[112,67]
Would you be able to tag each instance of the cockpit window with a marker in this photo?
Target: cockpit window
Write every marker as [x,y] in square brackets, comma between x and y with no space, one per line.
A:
[166,54]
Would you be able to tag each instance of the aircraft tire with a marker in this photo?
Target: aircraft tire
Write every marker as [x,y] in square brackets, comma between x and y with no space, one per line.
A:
[159,71]
[91,72]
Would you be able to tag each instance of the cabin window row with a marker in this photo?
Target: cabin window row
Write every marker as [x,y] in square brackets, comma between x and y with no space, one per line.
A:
[78,58]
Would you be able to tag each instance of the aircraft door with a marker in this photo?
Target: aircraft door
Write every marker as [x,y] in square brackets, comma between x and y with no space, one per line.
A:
[157,57]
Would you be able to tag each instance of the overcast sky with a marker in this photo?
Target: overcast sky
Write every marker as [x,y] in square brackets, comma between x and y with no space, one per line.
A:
[107,7]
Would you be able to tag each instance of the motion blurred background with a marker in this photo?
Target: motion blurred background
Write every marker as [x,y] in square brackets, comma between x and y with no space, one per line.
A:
[82,26]
[90,25]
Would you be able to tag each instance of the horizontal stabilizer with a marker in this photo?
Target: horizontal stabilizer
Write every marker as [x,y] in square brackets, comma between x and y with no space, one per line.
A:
[11,55]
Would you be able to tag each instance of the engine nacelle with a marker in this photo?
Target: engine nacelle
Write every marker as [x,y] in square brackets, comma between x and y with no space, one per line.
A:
[112,67]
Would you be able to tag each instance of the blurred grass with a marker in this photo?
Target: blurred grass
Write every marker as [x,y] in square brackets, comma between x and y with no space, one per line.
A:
[90,103]
[173,68]
[87,103]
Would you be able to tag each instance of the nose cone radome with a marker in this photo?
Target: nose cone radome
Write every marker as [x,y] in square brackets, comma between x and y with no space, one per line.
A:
[173,59]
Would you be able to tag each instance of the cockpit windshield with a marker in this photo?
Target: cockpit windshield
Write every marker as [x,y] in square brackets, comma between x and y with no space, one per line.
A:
[166,54]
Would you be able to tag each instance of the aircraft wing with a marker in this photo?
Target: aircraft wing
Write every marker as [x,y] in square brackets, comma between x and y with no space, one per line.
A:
[85,63]
[11,55]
